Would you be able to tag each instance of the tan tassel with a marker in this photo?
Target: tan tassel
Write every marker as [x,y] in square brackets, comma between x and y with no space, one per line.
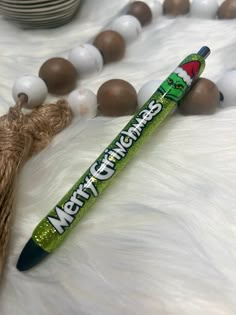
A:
[21,136]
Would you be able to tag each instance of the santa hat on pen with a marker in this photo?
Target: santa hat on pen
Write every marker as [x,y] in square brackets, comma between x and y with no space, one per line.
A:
[188,71]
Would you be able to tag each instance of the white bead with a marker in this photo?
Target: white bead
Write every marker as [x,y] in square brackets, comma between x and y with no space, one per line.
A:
[147,90]
[128,27]
[83,103]
[227,86]
[87,59]
[32,86]
[204,8]
[155,6]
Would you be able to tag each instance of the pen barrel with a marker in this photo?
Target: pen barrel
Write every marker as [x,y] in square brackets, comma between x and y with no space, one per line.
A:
[55,227]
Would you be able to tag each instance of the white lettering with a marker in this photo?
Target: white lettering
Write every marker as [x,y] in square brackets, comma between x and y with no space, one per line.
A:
[132,133]
[75,200]
[120,150]
[71,208]
[155,108]
[146,115]
[107,161]
[82,193]
[103,172]
[126,144]
[114,154]
[63,220]
[104,169]
[89,184]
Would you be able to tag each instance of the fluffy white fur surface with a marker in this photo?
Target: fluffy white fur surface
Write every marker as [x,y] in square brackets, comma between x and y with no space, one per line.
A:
[162,239]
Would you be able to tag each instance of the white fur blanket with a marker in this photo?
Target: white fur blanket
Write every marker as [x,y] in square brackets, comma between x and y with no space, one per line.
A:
[162,239]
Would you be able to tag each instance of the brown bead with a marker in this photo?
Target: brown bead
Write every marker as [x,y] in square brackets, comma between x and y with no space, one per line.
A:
[176,7]
[111,45]
[227,10]
[141,11]
[59,75]
[117,98]
[202,99]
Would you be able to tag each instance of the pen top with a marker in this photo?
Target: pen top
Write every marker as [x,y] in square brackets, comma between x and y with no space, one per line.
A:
[204,52]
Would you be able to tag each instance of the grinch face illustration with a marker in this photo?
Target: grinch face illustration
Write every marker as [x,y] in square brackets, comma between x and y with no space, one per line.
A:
[173,87]
[176,85]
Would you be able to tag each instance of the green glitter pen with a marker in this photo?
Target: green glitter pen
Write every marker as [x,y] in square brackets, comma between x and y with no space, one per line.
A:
[58,223]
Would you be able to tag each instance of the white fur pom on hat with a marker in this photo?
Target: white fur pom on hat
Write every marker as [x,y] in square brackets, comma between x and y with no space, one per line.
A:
[188,71]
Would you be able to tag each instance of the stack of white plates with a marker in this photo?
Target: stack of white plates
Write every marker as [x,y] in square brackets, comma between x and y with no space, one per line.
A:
[39,13]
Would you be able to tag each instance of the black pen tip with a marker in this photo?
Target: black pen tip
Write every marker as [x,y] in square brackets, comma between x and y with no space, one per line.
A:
[30,256]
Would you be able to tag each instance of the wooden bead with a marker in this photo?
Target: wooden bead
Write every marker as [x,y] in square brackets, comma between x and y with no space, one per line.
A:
[202,99]
[111,45]
[227,10]
[128,27]
[59,75]
[147,90]
[87,59]
[141,11]
[227,86]
[204,9]
[117,98]
[83,103]
[156,8]
[33,87]
[176,7]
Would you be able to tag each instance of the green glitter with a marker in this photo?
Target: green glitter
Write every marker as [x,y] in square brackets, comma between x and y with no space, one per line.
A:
[45,234]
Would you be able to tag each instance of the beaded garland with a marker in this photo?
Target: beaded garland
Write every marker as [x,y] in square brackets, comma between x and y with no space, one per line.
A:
[59,76]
